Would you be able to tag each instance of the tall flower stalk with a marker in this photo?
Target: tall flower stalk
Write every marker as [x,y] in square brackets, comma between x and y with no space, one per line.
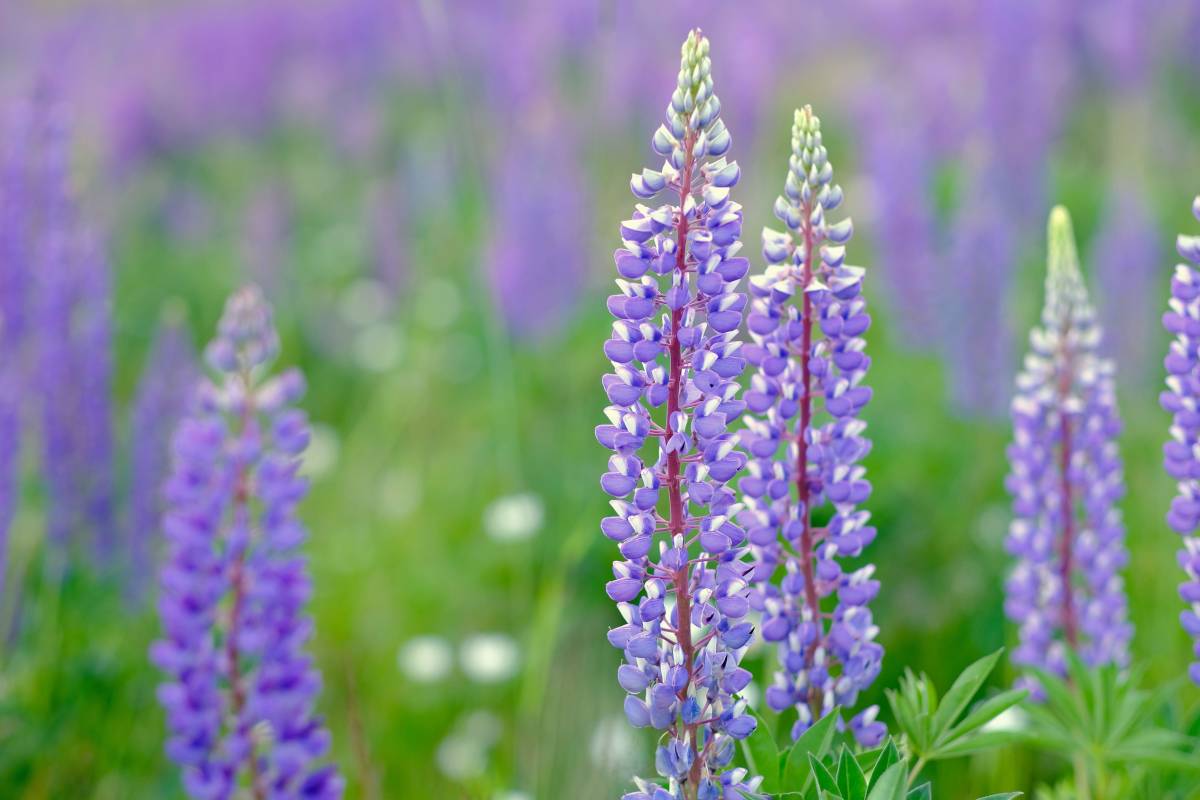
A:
[1066,480]
[1182,399]
[70,300]
[807,322]
[673,382]
[240,686]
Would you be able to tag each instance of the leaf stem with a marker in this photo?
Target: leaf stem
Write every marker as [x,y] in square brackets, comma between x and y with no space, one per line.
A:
[916,770]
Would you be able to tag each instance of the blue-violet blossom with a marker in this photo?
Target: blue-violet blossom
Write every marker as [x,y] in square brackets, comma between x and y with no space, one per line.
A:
[1182,399]
[240,686]
[1066,480]
[807,322]
[684,596]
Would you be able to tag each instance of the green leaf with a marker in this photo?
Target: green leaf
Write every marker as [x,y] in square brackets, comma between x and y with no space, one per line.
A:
[867,759]
[814,741]
[851,781]
[762,755]
[1003,796]
[886,759]
[891,784]
[922,792]
[960,694]
[825,780]
[985,740]
[987,711]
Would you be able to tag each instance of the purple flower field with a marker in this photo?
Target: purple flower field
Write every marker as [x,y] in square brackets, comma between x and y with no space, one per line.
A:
[362,436]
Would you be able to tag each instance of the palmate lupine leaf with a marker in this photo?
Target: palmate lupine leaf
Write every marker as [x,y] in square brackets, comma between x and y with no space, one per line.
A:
[936,730]
[1105,715]
[787,767]
[878,774]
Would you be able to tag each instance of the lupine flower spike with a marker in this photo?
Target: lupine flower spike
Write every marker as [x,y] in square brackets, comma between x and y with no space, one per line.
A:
[1066,480]
[682,581]
[1182,399]
[240,686]
[807,322]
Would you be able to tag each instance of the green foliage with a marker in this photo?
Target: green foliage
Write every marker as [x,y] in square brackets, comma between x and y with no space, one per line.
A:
[1111,731]
[787,766]
[879,774]
[823,765]
[936,730]
[77,695]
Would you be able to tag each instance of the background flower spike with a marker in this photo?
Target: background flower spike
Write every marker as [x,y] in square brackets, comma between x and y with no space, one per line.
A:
[1066,479]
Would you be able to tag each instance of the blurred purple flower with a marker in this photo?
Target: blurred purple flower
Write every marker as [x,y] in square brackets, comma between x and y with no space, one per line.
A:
[71,302]
[977,336]
[1182,399]
[161,399]
[1066,479]
[241,688]
[1126,255]
[898,160]
[15,269]
[807,321]
[1118,38]
[536,257]
[685,625]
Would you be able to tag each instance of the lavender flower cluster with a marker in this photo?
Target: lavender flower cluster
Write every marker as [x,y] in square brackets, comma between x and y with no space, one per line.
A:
[686,606]
[806,394]
[1182,452]
[675,350]
[1066,480]
[241,686]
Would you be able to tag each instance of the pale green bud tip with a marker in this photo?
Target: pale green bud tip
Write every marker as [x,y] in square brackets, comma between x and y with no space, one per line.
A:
[695,47]
[1061,239]
[805,120]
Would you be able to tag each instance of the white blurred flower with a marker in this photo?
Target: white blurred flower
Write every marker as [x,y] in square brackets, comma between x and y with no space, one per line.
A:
[399,493]
[378,347]
[489,657]
[513,794]
[1010,719]
[364,302]
[425,659]
[322,454]
[482,725]
[461,757]
[513,518]
[614,746]
[753,695]
[463,754]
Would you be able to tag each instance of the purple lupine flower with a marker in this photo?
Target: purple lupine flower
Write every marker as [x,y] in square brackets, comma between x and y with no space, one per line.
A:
[14,279]
[1182,399]
[1126,254]
[899,161]
[542,210]
[979,341]
[673,379]
[240,686]
[807,322]
[158,405]
[71,302]
[1066,480]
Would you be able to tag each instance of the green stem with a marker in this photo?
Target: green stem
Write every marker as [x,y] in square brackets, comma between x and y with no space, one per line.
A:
[1081,778]
[916,770]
